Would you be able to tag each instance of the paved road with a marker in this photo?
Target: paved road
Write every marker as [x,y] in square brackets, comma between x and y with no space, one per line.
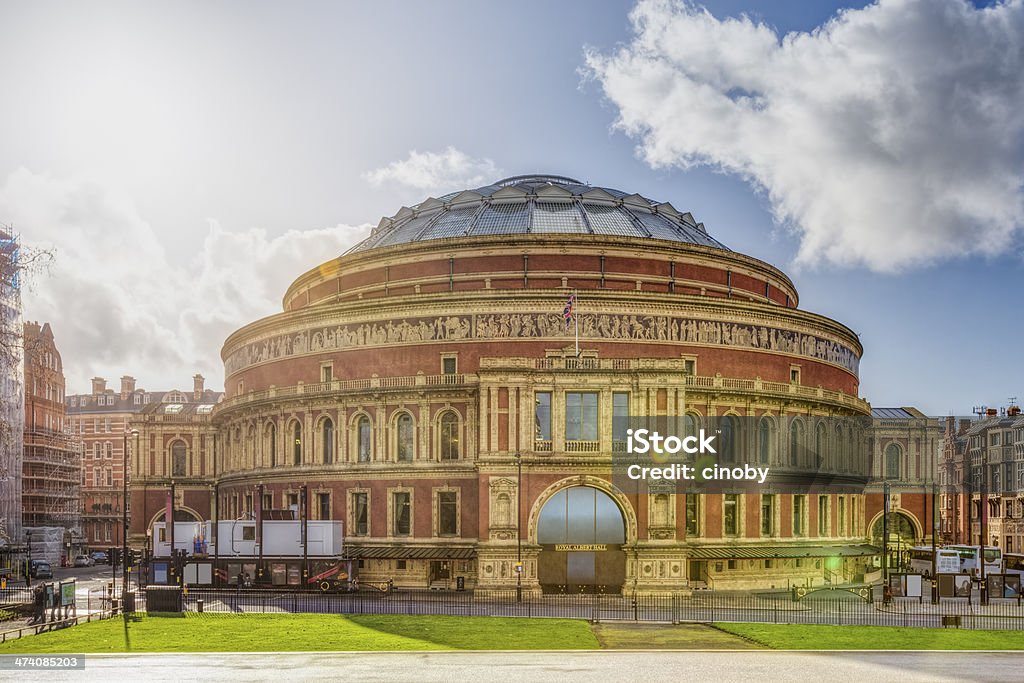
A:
[554,667]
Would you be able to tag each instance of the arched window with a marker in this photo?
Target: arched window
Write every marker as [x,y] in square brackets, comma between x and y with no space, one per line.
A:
[449,436]
[764,441]
[296,443]
[272,444]
[892,461]
[795,436]
[820,445]
[327,440]
[405,438]
[730,434]
[179,460]
[364,436]
[690,425]
[839,451]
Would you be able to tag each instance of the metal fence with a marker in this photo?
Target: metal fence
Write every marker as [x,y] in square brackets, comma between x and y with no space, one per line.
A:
[829,607]
[10,597]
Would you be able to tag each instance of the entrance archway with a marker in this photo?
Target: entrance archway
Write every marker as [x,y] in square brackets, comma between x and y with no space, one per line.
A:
[581,531]
[903,535]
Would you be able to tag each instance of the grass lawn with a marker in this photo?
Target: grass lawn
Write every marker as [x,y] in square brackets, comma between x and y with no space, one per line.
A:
[801,637]
[311,632]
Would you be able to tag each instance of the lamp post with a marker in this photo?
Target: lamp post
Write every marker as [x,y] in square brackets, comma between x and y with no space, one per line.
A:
[983,502]
[28,562]
[519,527]
[124,509]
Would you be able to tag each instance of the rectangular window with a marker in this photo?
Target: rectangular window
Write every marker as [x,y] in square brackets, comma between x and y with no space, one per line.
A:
[249,532]
[580,416]
[768,564]
[620,420]
[326,372]
[400,565]
[293,503]
[730,564]
[542,415]
[842,516]
[323,505]
[690,366]
[248,503]
[360,513]
[799,507]
[767,514]
[692,514]
[730,514]
[447,513]
[448,365]
[268,501]
[402,510]
[823,516]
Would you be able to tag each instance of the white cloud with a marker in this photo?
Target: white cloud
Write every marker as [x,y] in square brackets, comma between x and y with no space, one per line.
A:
[890,136]
[438,172]
[119,305]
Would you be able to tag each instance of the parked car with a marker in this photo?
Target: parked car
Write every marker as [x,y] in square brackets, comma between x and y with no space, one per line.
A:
[84,561]
[99,557]
[40,569]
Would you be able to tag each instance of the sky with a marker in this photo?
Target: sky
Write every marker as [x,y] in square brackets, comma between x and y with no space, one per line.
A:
[186,161]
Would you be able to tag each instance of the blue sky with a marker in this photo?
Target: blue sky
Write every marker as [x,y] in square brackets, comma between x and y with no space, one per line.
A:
[231,145]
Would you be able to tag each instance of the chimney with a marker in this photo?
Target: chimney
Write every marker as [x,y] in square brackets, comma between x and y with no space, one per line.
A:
[127,386]
[965,424]
[950,425]
[197,387]
[99,385]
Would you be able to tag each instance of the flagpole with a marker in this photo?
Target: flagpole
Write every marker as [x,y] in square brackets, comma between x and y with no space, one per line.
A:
[576,316]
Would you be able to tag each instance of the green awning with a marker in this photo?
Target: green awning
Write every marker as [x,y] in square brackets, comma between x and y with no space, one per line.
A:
[406,552]
[753,552]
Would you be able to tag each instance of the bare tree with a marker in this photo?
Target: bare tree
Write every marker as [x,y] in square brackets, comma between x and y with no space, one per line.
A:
[17,264]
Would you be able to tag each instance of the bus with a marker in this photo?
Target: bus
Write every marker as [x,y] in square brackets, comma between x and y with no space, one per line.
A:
[969,559]
[922,559]
[1013,563]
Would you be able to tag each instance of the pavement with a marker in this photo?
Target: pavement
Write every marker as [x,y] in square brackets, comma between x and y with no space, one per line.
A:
[547,666]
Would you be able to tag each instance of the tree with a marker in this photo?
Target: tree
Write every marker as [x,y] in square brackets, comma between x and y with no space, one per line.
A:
[16,264]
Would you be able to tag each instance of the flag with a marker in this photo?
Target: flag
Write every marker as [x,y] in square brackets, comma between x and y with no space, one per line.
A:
[567,312]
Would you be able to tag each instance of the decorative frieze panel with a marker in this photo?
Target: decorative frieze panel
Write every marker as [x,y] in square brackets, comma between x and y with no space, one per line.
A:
[542,326]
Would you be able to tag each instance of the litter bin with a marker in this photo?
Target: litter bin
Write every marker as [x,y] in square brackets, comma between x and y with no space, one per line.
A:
[128,602]
[460,583]
[163,599]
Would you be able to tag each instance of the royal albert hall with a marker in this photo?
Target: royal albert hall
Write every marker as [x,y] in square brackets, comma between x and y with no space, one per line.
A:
[426,389]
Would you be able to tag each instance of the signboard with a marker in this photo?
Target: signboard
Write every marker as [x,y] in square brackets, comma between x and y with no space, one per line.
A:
[580,548]
[1003,585]
[67,594]
[913,585]
[954,585]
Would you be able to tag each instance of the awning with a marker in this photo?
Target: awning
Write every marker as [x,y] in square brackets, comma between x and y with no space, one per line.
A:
[406,552]
[753,552]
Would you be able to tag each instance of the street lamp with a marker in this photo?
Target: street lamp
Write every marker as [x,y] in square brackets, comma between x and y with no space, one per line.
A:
[519,529]
[28,562]
[124,509]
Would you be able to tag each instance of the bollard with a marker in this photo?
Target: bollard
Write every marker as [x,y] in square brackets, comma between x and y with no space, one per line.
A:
[199,605]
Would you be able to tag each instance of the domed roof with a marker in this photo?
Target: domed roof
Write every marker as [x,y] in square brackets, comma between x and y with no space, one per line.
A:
[538,204]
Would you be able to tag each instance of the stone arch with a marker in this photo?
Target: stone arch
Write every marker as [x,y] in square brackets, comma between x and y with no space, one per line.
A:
[915,524]
[603,485]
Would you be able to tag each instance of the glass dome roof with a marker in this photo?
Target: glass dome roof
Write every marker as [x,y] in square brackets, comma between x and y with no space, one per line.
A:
[538,204]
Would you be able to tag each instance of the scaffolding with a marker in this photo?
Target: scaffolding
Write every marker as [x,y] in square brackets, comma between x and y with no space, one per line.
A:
[52,480]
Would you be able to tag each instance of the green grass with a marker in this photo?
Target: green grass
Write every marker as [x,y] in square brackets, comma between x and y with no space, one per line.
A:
[311,632]
[801,637]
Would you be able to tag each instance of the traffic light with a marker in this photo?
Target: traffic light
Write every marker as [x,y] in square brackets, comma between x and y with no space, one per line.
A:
[115,556]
